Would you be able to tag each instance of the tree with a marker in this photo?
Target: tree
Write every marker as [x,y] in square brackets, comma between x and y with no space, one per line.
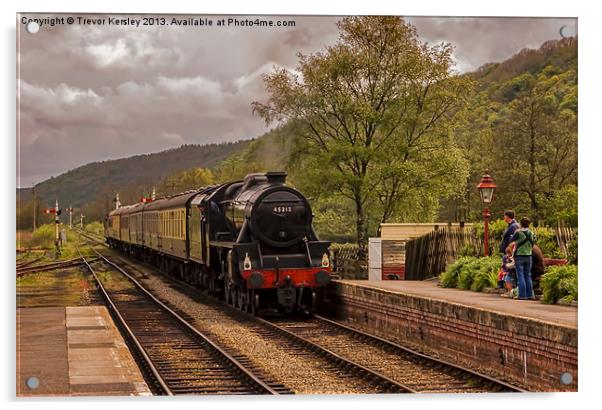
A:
[192,178]
[538,133]
[370,109]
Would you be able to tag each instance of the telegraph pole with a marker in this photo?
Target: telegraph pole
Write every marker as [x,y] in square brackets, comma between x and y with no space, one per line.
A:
[81,221]
[33,190]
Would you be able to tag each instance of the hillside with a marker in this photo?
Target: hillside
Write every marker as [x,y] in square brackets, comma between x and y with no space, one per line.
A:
[558,53]
[81,185]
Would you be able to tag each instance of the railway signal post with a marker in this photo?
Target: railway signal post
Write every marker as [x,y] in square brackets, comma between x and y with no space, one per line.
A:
[57,239]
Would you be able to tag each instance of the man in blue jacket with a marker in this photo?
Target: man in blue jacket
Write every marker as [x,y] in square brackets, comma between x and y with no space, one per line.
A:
[512,227]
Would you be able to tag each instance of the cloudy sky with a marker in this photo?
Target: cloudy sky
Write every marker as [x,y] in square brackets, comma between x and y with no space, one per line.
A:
[89,93]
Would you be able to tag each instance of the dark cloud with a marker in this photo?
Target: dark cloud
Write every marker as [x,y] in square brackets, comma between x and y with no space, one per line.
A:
[480,40]
[90,93]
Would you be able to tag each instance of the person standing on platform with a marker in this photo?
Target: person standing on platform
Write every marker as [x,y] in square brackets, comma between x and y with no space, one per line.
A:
[538,267]
[512,227]
[524,239]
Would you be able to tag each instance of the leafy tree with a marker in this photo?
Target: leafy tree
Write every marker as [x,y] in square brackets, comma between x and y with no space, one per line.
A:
[538,133]
[371,109]
[193,178]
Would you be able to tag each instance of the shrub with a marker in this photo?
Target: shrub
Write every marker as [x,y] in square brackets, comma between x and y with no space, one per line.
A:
[468,250]
[559,282]
[95,228]
[43,236]
[486,274]
[449,278]
[471,273]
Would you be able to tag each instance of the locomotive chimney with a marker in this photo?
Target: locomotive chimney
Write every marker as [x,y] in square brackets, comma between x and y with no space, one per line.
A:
[276,177]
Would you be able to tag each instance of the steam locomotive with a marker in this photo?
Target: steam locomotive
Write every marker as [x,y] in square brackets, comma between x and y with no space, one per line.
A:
[248,242]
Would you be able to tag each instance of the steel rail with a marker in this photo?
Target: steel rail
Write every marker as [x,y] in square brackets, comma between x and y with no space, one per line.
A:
[260,384]
[392,385]
[147,362]
[421,356]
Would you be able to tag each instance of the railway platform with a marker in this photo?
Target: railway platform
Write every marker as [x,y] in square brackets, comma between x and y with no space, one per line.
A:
[524,342]
[73,351]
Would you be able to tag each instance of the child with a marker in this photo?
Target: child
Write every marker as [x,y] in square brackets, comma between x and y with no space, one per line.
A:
[509,277]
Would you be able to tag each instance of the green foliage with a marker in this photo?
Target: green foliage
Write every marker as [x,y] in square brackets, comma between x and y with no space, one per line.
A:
[95,228]
[43,236]
[522,124]
[486,273]
[468,250]
[561,206]
[193,178]
[559,282]
[496,233]
[572,248]
[471,273]
[545,238]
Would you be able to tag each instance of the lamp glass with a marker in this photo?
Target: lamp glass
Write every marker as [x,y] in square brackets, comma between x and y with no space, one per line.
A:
[486,195]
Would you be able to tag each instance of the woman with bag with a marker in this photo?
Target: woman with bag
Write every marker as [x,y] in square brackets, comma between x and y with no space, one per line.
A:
[523,240]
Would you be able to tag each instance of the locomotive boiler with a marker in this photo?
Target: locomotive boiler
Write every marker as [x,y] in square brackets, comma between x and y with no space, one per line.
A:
[250,242]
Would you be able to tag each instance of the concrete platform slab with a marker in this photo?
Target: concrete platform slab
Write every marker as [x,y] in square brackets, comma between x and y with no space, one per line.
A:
[555,314]
[74,351]
[91,328]
[524,342]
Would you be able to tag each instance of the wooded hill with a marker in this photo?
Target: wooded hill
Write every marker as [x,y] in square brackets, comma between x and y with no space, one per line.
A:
[135,175]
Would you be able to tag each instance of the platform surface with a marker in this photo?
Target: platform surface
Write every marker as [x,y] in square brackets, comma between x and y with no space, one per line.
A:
[74,351]
[555,314]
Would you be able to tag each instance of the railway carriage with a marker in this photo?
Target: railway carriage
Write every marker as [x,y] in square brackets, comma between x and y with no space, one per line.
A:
[249,242]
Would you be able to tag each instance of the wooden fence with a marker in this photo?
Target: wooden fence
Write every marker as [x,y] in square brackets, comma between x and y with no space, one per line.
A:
[428,255]
[346,262]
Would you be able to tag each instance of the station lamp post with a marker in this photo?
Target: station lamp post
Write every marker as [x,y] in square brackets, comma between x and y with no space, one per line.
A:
[486,190]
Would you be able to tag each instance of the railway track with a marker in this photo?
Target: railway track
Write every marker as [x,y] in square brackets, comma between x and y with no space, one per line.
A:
[23,270]
[175,357]
[23,264]
[420,373]
[359,378]
[354,354]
